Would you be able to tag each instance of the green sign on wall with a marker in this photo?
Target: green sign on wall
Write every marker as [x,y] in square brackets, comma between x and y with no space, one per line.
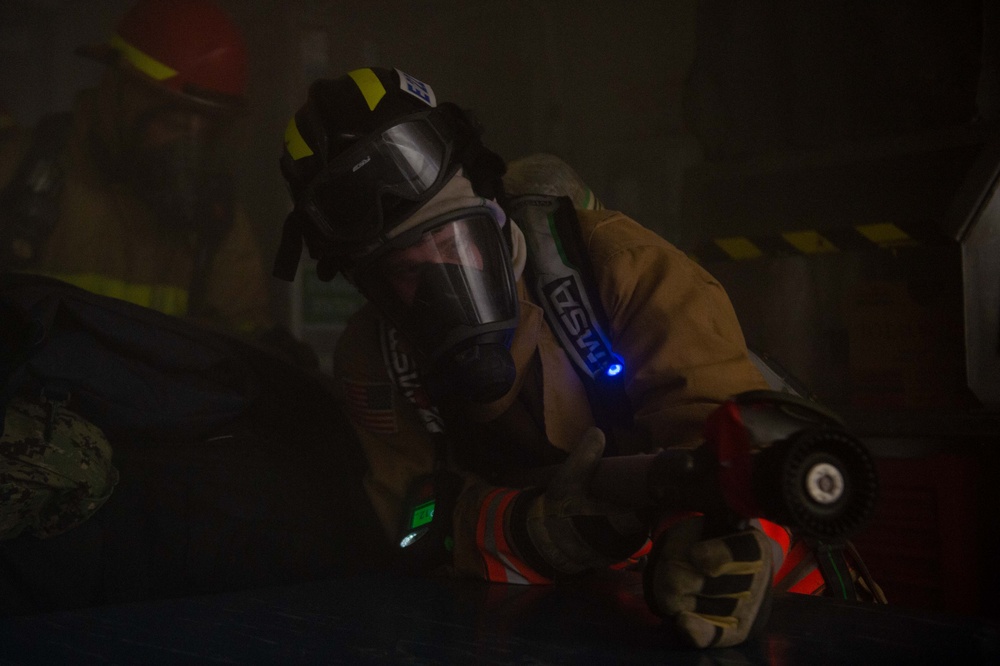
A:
[327,303]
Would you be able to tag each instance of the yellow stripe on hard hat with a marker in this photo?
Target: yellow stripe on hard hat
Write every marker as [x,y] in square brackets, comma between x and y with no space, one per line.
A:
[369,85]
[146,64]
[294,143]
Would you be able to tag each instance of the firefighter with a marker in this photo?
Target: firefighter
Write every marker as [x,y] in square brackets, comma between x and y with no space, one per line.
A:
[461,390]
[128,196]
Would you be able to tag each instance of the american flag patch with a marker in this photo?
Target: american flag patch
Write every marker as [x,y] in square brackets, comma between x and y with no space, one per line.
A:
[370,406]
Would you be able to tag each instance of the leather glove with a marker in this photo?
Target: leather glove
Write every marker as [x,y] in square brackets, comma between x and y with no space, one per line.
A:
[562,530]
[714,589]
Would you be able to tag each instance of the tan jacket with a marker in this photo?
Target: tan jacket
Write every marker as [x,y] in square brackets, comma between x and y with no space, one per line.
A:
[107,241]
[669,319]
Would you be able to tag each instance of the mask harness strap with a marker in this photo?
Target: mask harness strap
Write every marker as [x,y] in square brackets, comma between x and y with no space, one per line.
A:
[406,377]
[425,538]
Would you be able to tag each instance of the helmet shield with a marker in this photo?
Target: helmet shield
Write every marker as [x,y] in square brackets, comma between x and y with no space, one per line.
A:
[444,283]
[379,182]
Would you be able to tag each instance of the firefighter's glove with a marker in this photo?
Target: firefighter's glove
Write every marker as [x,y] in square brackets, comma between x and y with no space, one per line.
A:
[567,531]
[715,590]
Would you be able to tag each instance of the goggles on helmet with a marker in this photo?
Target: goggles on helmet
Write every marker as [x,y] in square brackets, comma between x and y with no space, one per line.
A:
[445,282]
[377,183]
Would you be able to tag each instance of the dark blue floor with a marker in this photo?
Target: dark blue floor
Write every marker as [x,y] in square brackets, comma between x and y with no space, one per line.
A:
[385,620]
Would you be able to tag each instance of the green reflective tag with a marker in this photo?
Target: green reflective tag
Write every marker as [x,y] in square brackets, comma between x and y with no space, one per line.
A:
[422,514]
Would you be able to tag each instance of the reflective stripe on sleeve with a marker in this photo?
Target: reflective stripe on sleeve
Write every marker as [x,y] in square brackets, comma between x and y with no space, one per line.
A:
[812,583]
[501,564]
[780,539]
[164,298]
[799,573]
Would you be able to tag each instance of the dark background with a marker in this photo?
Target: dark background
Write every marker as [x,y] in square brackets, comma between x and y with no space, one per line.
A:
[704,120]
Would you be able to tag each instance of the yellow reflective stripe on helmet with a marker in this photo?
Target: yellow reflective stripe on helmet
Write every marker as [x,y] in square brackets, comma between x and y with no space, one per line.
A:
[294,143]
[146,64]
[163,298]
[369,85]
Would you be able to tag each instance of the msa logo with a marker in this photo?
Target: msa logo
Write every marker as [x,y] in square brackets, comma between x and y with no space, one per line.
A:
[576,323]
[406,376]
[405,371]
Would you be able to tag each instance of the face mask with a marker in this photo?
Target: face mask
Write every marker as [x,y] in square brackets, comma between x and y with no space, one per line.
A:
[449,288]
[176,176]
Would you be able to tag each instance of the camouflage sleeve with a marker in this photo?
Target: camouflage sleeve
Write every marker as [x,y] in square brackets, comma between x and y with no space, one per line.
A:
[55,469]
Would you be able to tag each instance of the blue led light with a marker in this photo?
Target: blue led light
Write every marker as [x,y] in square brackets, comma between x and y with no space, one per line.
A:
[614,369]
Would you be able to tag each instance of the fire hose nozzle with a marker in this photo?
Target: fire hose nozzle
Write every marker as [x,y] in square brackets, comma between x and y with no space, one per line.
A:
[766,455]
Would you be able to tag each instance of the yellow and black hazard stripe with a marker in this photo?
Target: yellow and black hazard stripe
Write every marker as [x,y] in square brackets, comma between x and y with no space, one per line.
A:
[875,236]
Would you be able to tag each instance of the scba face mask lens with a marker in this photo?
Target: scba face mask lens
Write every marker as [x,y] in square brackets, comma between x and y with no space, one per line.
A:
[448,286]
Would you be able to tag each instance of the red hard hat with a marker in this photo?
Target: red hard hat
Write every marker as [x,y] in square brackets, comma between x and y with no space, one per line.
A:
[190,48]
